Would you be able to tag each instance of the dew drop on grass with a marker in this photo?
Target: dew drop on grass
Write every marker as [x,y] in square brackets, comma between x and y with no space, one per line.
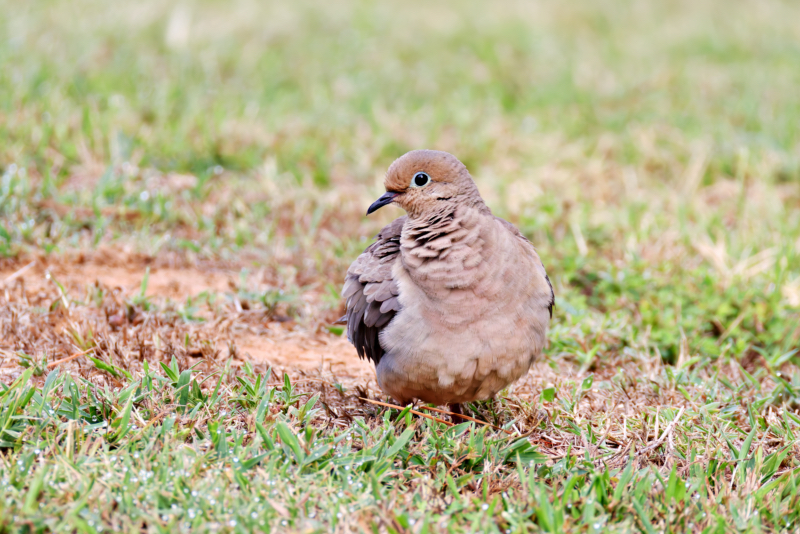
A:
[484,507]
[232,522]
[253,515]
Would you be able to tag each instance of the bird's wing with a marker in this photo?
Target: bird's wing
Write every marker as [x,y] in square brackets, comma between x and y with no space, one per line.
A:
[514,230]
[371,292]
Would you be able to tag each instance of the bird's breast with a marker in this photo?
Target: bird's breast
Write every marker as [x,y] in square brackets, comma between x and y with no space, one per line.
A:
[471,319]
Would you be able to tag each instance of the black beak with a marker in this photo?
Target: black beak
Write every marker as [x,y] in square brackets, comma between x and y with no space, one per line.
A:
[387,198]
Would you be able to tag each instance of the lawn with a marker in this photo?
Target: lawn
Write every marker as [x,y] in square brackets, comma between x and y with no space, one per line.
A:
[183,186]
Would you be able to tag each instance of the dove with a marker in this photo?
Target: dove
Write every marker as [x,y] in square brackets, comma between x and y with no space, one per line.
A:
[451,303]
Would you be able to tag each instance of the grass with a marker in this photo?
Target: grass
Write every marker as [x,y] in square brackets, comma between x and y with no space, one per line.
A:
[649,151]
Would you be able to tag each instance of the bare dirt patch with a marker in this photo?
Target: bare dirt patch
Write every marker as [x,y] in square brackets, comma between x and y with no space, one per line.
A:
[328,354]
[29,291]
[171,282]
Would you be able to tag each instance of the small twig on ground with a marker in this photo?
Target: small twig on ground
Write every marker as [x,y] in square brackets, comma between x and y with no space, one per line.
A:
[17,274]
[68,358]
[462,416]
[667,432]
[415,412]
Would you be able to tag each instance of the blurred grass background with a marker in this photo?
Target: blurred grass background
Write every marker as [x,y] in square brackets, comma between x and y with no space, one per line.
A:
[193,85]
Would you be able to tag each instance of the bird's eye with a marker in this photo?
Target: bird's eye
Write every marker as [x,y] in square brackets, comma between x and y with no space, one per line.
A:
[420,180]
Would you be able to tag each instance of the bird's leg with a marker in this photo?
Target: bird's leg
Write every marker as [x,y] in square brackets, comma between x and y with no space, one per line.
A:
[455,409]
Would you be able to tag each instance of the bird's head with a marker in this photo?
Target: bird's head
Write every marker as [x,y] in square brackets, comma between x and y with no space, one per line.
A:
[424,182]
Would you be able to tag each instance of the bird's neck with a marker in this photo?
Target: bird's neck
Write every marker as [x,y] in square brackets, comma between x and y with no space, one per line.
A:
[447,249]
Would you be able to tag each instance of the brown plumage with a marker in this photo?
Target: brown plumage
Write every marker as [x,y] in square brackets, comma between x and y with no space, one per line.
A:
[450,302]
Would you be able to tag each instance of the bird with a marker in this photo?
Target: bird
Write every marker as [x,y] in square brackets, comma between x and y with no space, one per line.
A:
[450,302]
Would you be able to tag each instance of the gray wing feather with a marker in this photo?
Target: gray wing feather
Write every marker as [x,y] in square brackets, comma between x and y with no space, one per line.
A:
[390,304]
[371,292]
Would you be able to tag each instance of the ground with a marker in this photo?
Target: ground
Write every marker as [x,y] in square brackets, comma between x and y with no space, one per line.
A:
[183,186]
[277,343]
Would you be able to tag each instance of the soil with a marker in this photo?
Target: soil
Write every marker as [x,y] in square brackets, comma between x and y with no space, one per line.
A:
[284,346]
[300,351]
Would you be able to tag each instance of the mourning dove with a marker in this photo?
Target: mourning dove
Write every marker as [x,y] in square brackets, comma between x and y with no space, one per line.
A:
[450,302]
